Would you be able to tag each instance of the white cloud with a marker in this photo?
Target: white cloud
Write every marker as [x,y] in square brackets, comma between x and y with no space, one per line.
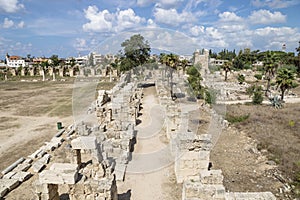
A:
[168,3]
[80,44]
[99,21]
[21,24]
[104,21]
[197,30]
[10,6]
[275,3]
[127,19]
[266,17]
[8,23]
[172,17]
[229,17]
[143,3]
[151,23]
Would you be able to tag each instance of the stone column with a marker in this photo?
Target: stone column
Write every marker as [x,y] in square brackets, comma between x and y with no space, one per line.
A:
[71,72]
[23,72]
[61,72]
[46,191]
[31,71]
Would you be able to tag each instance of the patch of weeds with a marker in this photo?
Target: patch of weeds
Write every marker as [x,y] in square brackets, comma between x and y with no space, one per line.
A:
[236,119]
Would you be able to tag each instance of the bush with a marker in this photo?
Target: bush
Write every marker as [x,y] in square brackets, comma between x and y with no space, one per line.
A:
[236,119]
[257,97]
[258,76]
[241,78]
[210,96]
[256,93]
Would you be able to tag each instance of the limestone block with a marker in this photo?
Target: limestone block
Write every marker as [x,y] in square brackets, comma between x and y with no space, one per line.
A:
[84,142]
[211,177]
[250,196]
[10,184]
[120,171]
[60,173]
[41,163]
[3,191]
[9,175]
[23,167]
[21,176]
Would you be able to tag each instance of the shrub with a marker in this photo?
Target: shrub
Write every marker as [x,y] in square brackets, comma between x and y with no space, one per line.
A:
[256,93]
[236,119]
[241,78]
[210,96]
[258,76]
[257,97]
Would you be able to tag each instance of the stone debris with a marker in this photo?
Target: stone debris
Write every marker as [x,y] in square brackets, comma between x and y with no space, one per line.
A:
[41,163]
[99,153]
[7,185]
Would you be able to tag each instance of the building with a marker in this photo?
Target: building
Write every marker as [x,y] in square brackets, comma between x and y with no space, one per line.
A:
[217,62]
[14,61]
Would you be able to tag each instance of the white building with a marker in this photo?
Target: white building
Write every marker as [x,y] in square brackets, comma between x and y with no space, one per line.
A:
[14,61]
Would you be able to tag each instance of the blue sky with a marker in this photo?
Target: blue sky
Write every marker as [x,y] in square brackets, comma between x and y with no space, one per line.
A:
[72,27]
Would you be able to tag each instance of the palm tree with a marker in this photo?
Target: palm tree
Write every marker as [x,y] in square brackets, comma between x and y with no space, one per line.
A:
[184,64]
[227,68]
[284,80]
[270,61]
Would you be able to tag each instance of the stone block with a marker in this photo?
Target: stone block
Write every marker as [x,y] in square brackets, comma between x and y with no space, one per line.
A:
[23,167]
[84,142]
[120,170]
[3,191]
[9,175]
[21,176]
[10,184]
[211,177]
[60,173]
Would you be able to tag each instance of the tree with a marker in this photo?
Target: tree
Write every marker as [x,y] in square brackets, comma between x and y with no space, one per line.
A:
[136,52]
[72,62]
[54,60]
[256,93]
[285,80]
[270,65]
[227,68]
[184,64]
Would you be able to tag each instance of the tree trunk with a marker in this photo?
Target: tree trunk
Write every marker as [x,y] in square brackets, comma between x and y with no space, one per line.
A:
[225,75]
[268,87]
[282,93]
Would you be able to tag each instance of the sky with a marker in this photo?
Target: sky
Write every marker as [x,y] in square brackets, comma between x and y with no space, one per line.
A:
[76,27]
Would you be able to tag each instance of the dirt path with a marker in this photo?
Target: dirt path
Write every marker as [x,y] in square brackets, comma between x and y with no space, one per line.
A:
[148,176]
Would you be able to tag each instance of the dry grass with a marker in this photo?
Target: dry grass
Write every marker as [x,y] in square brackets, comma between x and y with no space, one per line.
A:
[276,131]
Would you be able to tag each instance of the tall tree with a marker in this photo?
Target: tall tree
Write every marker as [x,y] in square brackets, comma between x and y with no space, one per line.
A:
[227,68]
[284,79]
[270,61]
[136,52]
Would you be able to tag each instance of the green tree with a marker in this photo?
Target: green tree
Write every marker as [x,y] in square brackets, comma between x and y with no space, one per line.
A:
[72,62]
[227,68]
[256,93]
[285,80]
[270,61]
[136,52]
[184,64]
[54,60]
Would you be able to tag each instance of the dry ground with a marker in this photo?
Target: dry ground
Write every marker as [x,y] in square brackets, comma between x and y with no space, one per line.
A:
[29,112]
[275,133]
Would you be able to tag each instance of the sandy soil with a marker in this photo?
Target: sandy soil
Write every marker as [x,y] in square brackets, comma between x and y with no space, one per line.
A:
[29,115]
[161,182]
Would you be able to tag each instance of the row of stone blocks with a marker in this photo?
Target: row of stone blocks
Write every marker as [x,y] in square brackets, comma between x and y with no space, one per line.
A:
[17,173]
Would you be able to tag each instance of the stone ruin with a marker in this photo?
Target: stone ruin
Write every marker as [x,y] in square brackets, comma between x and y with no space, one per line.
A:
[192,153]
[99,153]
